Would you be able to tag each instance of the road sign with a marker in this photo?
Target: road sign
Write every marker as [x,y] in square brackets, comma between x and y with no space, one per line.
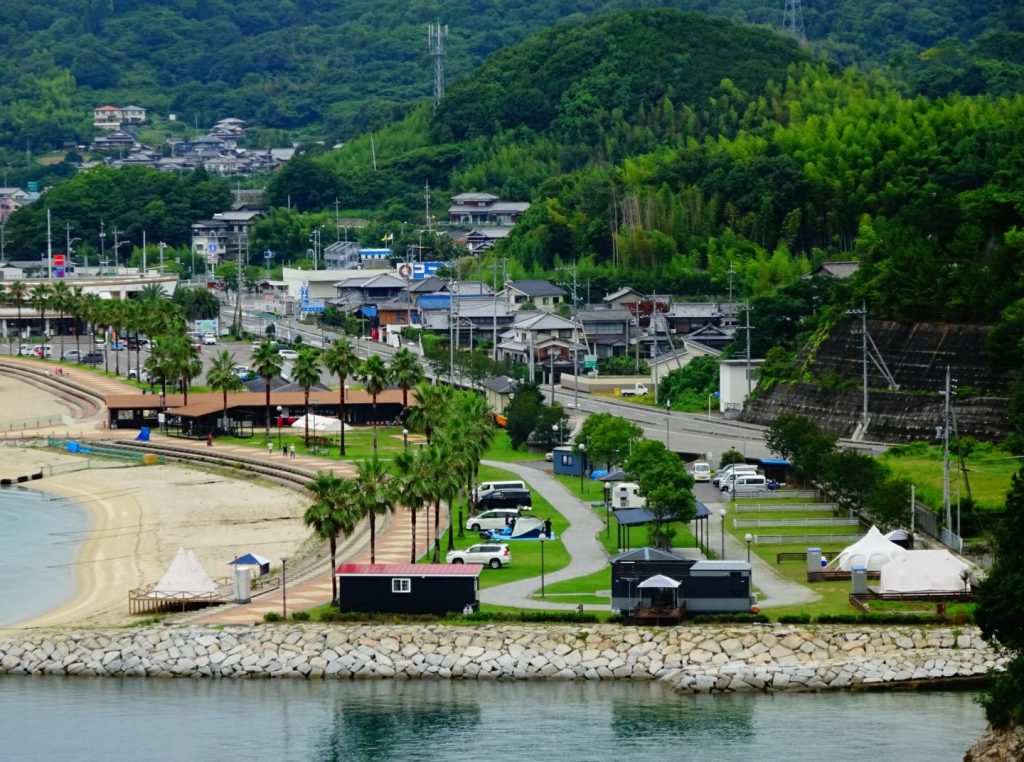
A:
[313,305]
[590,361]
[268,254]
[58,260]
[212,248]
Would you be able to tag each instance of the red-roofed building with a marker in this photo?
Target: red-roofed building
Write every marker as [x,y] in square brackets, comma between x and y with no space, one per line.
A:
[408,588]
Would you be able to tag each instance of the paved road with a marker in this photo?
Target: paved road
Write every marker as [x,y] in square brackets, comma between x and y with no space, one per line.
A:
[580,539]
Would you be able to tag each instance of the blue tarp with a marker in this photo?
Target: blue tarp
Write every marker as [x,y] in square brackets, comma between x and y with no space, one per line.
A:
[597,473]
[368,311]
[143,434]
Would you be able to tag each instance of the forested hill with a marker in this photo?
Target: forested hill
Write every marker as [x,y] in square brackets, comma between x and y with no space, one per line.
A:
[333,68]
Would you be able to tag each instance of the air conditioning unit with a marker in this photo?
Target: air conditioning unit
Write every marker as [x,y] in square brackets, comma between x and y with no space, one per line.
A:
[672,331]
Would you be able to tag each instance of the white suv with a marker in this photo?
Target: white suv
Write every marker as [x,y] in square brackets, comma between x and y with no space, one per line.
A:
[494,556]
[209,339]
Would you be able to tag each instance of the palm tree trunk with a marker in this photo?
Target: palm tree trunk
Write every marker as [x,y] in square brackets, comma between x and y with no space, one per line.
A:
[373,537]
[266,380]
[451,523]
[334,565]
[78,346]
[60,319]
[184,389]
[341,394]
[374,425]
[225,392]
[437,531]
[412,558]
[307,418]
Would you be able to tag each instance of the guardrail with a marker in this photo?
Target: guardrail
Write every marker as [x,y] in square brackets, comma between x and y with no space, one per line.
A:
[787,494]
[811,522]
[785,508]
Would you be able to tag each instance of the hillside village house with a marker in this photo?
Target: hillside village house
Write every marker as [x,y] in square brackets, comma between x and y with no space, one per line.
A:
[543,295]
[112,117]
[223,236]
[484,209]
[12,199]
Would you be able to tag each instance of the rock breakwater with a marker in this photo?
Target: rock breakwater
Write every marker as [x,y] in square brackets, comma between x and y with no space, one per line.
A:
[699,659]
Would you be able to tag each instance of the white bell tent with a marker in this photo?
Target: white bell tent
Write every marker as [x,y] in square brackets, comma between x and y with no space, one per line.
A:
[925,571]
[872,551]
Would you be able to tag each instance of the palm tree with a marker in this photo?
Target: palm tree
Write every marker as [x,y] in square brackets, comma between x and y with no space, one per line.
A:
[267,363]
[444,483]
[184,362]
[431,409]
[17,293]
[374,494]
[60,298]
[306,373]
[474,417]
[375,377]
[160,362]
[332,514]
[116,315]
[456,441]
[222,378]
[406,372]
[77,306]
[342,361]
[412,476]
[38,298]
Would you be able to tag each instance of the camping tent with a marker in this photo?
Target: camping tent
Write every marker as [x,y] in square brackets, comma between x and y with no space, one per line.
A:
[320,424]
[251,559]
[185,577]
[526,528]
[924,571]
[655,584]
[901,537]
[872,551]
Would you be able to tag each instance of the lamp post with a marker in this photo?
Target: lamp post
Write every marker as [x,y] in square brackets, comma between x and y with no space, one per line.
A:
[543,538]
[607,509]
[721,513]
[163,413]
[748,537]
[668,416]
[279,411]
[583,464]
[284,587]
[556,428]
[405,440]
[709,404]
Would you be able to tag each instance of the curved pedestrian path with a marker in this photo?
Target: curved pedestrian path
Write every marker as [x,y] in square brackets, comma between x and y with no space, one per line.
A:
[580,540]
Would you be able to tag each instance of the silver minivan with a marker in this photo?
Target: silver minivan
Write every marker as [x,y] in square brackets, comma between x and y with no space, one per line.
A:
[486,487]
[725,474]
[494,519]
[746,484]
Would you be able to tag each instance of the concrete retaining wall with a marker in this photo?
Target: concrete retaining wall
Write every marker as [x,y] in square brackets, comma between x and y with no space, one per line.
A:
[700,659]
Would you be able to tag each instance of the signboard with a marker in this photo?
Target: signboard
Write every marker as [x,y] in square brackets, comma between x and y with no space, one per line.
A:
[208,326]
[589,361]
[33,186]
[417,270]
[268,254]
[58,260]
[212,248]
[313,305]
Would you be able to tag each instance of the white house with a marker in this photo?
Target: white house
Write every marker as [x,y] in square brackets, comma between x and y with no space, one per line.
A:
[734,385]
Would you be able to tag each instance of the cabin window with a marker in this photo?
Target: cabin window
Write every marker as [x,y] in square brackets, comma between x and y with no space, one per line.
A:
[401,585]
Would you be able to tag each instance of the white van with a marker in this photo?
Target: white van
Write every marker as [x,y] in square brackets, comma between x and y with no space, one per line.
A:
[746,484]
[487,487]
[725,475]
[495,519]
[701,471]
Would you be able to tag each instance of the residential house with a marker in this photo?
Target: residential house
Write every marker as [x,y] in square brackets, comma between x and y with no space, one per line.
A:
[342,255]
[499,391]
[473,316]
[118,139]
[686,317]
[543,295]
[540,338]
[685,351]
[624,297]
[837,270]
[106,117]
[608,331]
[484,209]
[12,199]
[223,236]
[361,292]
[133,115]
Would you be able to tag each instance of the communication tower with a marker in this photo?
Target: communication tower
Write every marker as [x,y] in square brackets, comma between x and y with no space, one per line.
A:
[436,35]
[793,20]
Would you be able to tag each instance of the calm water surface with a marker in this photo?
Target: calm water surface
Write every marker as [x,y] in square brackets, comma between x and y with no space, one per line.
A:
[39,542]
[47,718]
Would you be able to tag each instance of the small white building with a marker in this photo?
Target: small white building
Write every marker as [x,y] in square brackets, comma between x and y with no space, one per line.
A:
[734,383]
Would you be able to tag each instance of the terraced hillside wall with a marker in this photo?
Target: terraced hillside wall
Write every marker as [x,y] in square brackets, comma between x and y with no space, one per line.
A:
[917,356]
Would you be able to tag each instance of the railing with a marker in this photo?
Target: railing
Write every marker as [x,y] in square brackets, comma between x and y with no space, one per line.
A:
[810,522]
[37,422]
[784,508]
[951,540]
[788,494]
[800,539]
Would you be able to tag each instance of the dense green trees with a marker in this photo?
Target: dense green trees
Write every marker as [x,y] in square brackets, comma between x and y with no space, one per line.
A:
[666,486]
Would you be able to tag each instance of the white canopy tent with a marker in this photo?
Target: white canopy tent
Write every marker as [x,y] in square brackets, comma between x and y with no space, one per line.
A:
[872,551]
[185,577]
[924,571]
[658,582]
[320,424]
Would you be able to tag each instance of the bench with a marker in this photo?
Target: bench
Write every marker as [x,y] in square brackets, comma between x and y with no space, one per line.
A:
[790,556]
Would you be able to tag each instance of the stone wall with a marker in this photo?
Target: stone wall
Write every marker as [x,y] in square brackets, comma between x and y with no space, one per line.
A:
[699,659]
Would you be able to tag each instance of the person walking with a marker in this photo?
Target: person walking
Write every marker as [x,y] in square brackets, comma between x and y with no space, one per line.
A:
[291,449]
[270,448]
[209,439]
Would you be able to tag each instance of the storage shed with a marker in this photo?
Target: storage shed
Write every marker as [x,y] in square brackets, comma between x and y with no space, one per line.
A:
[408,588]
[568,461]
[706,586]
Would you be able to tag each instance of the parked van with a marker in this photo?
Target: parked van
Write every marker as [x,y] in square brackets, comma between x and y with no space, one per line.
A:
[507,498]
[489,520]
[746,484]
[701,471]
[487,487]
[627,495]
[725,474]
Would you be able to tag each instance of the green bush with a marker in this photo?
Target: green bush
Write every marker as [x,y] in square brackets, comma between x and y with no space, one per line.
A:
[271,616]
[300,616]
[795,619]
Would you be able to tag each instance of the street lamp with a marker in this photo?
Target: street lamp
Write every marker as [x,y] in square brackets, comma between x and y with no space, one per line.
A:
[284,588]
[556,428]
[748,537]
[405,441]
[668,416]
[722,514]
[583,464]
[543,538]
[163,413]
[279,411]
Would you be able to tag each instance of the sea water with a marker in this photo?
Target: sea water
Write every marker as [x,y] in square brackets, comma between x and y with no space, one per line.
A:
[48,718]
[40,536]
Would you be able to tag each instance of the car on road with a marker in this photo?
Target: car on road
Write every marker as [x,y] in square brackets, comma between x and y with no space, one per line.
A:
[146,377]
[494,556]
[72,354]
[117,346]
[701,471]
[42,350]
[92,358]
[135,344]
[724,475]
[288,354]
[209,339]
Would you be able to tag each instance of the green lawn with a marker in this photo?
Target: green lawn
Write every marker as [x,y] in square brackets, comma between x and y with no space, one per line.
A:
[989,471]
[580,589]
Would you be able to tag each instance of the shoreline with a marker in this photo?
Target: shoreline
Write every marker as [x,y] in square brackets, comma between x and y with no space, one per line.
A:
[139,516]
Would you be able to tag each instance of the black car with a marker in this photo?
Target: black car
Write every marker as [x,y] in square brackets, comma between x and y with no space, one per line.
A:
[506,498]
[92,358]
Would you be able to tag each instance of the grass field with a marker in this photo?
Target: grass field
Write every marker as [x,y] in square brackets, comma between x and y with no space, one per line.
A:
[988,469]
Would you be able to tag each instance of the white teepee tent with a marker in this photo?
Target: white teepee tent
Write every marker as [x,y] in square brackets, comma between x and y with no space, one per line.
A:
[185,577]
[872,551]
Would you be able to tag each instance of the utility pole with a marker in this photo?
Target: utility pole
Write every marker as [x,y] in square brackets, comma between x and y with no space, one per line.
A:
[49,247]
[103,244]
[426,202]
[143,253]
[116,244]
[238,276]
[863,313]
[161,246]
[913,509]
[436,35]
[749,371]
[945,454]
[453,289]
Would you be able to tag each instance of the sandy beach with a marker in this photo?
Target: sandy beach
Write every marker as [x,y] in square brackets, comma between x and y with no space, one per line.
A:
[22,402]
[140,516]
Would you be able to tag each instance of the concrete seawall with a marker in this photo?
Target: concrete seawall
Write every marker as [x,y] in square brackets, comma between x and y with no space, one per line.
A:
[702,659]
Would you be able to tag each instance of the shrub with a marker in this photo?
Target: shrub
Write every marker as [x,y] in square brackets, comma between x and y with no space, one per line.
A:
[301,616]
[271,616]
[795,619]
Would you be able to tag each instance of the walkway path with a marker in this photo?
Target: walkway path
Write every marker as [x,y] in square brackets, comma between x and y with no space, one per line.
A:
[775,590]
[580,539]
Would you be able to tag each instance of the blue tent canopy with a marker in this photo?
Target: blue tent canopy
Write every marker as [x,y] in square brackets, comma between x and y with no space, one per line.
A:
[251,559]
